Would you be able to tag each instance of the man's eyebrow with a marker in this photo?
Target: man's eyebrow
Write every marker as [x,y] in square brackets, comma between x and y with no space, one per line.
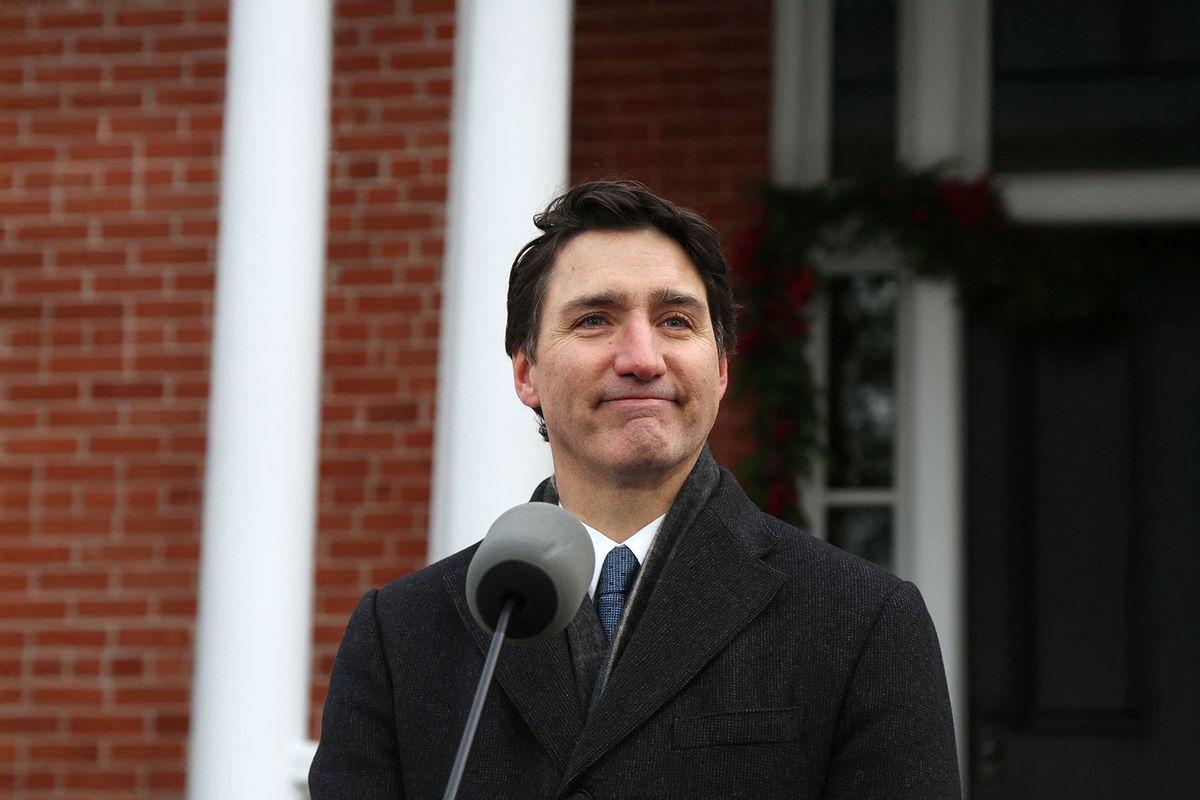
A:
[658,298]
[674,297]
[598,300]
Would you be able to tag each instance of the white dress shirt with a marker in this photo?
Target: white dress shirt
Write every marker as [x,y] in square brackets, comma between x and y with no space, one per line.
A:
[639,543]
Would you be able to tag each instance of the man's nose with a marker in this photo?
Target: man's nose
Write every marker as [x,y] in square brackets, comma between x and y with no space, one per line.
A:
[638,351]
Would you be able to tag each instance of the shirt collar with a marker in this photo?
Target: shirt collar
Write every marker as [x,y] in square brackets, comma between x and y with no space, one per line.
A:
[639,543]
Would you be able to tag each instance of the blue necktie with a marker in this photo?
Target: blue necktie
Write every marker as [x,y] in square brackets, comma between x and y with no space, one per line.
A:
[616,579]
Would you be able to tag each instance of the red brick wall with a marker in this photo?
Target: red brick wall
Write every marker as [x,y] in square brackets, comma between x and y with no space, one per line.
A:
[391,131]
[110,121]
[110,127]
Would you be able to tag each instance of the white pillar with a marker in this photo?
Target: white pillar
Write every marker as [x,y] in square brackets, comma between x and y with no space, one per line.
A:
[251,687]
[801,92]
[508,159]
[943,98]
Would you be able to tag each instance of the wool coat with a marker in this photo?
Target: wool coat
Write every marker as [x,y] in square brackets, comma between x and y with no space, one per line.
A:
[752,661]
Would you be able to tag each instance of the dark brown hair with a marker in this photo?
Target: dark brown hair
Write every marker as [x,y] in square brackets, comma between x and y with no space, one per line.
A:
[614,205]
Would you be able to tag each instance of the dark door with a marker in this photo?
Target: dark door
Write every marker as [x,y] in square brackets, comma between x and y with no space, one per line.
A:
[1083,515]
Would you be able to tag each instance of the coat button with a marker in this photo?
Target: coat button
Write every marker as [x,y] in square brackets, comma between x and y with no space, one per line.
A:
[581,795]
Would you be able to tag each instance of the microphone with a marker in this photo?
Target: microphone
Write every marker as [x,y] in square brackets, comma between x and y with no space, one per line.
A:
[526,580]
[541,557]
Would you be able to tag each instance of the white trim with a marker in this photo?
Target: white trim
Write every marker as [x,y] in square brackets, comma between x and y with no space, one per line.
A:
[942,106]
[801,91]
[814,494]
[840,498]
[1104,197]
[802,63]
[301,760]
[944,88]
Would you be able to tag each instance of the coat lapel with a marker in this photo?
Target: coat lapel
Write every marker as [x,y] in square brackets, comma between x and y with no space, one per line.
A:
[537,677]
[712,587]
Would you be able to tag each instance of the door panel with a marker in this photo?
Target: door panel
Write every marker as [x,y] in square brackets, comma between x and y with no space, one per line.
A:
[1083,516]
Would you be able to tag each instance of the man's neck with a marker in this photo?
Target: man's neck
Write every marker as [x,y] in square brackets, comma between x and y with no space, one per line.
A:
[619,509]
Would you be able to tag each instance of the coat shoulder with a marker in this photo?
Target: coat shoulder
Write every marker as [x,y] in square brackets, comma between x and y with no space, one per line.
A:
[811,565]
[426,594]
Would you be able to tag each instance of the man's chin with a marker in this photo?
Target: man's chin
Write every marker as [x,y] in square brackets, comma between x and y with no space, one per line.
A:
[642,466]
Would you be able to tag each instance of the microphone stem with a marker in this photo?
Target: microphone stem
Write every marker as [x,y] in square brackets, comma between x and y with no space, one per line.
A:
[485,683]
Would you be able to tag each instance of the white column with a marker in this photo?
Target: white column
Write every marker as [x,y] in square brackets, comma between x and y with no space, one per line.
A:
[509,150]
[801,92]
[251,687]
[943,97]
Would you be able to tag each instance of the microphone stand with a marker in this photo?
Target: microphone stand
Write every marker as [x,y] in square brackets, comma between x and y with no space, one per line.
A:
[485,682]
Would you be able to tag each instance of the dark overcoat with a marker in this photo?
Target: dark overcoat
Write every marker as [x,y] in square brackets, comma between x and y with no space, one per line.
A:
[754,661]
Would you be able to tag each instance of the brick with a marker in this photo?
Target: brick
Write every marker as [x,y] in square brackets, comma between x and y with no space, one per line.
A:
[43,284]
[169,309]
[149,18]
[135,229]
[33,47]
[151,71]
[190,97]
[51,232]
[91,257]
[20,311]
[60,580]
[15,207]
[102,779]
[40,445]
[86,311]
[382,88]
[83,752]
[127,391]
[105,100]
[124,444]
[149,752]
[99,152]
[196,43]
[154,637]
[106,724]
[105,45]
[55,526]
[421,60]
[26,724]
[124,284]
[33,554]
[23,258]
[142,124]
[112,609]
[32,609]
[67,696]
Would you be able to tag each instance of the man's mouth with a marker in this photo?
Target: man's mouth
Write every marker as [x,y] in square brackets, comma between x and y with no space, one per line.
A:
[642,396]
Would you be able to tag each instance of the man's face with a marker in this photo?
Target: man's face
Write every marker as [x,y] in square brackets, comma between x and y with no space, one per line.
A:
[627,371]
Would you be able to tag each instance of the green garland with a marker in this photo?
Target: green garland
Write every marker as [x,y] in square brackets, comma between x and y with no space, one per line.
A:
[941,227]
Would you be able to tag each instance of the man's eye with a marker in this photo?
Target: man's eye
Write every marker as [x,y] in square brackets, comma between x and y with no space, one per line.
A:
[677,322]
[590,321]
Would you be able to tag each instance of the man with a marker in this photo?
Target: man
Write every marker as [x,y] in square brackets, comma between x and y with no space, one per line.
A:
[725,653]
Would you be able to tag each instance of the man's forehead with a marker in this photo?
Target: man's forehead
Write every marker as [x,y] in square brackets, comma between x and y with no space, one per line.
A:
[620,267]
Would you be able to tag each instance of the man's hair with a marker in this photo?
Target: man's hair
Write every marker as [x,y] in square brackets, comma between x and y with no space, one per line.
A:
[613,205]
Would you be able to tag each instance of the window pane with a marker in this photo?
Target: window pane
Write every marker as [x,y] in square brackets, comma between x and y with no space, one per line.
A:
[862,381]
[864,87]
[864,531]
[1095,84]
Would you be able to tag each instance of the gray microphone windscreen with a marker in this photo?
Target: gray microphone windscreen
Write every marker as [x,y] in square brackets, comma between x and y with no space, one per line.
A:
[542,556]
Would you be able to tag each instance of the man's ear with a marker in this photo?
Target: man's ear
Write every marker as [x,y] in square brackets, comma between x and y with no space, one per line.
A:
[723,374]
[523,380]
